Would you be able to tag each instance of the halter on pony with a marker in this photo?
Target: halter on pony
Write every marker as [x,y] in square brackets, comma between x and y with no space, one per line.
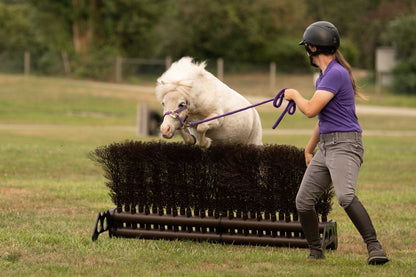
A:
[175,114]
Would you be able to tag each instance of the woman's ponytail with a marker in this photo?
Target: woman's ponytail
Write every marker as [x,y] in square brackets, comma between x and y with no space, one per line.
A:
[340,58]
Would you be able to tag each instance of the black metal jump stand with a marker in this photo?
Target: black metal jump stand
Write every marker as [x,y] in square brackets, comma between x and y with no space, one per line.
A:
[211,228]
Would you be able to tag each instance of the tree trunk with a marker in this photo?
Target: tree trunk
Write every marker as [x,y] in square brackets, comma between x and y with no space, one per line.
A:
[82,26]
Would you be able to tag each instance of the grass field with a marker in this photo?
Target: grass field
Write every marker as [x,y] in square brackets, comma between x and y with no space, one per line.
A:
[51,192]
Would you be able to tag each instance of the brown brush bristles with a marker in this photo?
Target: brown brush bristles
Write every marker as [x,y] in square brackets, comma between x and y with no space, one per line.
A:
[259,181]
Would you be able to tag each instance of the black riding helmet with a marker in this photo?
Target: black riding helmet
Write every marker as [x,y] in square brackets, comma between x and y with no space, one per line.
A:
[323,35]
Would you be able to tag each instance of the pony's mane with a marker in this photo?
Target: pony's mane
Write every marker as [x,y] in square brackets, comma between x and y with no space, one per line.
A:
[180,76]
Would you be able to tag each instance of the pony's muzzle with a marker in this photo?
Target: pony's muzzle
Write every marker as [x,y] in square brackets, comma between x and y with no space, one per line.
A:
[166,137]
[166,131]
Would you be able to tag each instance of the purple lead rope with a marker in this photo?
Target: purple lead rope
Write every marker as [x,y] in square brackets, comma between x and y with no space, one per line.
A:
[277,102]
[290,107]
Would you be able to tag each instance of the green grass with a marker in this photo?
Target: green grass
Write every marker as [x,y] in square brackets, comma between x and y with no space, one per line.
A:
[51,192]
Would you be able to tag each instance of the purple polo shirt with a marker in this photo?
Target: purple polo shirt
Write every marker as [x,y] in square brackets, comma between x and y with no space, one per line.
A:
[339,114]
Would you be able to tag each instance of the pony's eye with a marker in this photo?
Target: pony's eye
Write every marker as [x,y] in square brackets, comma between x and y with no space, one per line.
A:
[181,105]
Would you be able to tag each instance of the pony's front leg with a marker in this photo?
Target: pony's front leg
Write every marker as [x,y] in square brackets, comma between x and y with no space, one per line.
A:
[204,141]
[188,138]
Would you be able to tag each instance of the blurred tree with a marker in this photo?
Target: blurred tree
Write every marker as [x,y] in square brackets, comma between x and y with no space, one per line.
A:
[16,35]
[96,31]
[93,32]
[84,23]
[361,21]
[235,30]
[15,31]
[401,33]
[130,25]
[125,25]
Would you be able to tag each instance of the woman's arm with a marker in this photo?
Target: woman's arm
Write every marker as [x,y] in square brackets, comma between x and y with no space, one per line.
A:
[309,107]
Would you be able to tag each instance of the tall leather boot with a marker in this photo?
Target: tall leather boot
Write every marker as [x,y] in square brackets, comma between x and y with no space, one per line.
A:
[309,222]
[359,216]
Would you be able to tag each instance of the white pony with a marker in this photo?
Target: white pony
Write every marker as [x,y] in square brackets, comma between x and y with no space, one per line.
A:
[189,93]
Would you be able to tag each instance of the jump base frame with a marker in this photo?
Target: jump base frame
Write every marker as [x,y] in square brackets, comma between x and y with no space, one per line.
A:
[190,197]
[211,228]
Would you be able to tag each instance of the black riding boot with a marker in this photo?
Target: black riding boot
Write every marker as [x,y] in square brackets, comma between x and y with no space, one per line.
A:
[359,216]
[309,222]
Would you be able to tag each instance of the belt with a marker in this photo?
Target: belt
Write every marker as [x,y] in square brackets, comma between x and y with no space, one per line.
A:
[340,136]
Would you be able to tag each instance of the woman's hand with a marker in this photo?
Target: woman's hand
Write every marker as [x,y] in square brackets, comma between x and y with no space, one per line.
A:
[312,143]
[290,94]
[308,158]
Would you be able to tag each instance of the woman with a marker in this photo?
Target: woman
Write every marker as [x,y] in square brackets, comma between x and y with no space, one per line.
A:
[338,136]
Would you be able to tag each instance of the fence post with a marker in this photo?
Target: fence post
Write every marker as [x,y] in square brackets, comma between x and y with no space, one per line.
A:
[272,76]
[119,61]
[65,60]
[168,62]
[142,120]
[27,63]
[220,69]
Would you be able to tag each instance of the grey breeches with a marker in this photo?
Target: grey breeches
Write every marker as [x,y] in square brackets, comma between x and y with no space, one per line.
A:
[337,161]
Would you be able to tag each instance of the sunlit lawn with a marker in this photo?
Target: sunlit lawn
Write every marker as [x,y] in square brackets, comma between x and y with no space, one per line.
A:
[50,193]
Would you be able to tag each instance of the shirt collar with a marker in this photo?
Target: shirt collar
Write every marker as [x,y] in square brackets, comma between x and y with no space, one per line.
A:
[331,64]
